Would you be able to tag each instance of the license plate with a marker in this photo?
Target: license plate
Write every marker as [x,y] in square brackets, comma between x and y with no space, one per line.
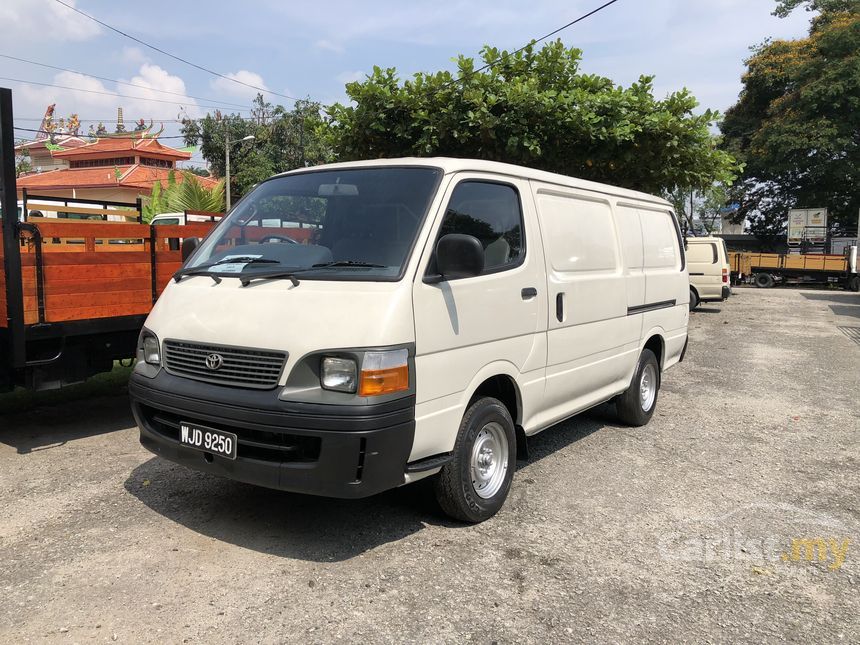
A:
[208,439]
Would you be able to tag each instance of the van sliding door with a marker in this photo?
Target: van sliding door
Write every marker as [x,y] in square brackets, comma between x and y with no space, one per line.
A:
[591,341]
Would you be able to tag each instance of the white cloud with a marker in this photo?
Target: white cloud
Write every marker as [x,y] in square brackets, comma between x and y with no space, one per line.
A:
[327,45]
[237,89]
[99,100]
[20,20]
[134,56]
[350,77]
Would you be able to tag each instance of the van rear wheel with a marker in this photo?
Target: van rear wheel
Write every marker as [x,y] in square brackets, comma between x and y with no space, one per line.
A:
[474,485]
[694,299]
[636,405]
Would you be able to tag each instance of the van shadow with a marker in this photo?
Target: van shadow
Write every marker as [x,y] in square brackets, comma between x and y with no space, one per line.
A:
[847,310]
[46,427]
[305,527]
[846,297]
[706,310]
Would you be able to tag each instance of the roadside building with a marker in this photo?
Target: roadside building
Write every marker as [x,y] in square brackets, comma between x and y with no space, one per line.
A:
[113,168]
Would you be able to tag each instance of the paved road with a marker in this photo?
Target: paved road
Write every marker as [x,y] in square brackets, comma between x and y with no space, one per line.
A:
[678,531]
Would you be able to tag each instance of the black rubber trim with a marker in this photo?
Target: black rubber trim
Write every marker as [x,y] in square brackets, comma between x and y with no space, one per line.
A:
[363,450]
[684,351]
[697,273]
[654,306]
[429,463]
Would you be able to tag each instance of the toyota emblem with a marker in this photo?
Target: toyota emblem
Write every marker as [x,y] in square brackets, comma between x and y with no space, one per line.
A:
[214,362]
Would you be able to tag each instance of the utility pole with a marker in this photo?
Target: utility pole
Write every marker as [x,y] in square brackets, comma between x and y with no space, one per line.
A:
[227,145]
[227,163]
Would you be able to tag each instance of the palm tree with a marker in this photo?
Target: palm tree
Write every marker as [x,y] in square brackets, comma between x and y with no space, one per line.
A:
[187,195]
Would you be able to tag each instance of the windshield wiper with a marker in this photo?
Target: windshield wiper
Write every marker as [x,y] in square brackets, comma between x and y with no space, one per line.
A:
[349,263]
[203,269]
[247,278]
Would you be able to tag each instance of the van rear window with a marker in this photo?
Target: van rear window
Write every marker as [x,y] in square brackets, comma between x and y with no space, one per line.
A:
[702,253]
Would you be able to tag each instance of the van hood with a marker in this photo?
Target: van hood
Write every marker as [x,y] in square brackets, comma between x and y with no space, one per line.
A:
[315,315]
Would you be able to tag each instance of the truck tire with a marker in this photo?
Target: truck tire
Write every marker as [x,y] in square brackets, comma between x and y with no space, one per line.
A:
[763,280]
[854,283]
[694,299]
[473,486]
[635,406]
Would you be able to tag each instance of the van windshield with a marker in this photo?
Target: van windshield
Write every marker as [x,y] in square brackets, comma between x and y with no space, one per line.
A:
[353,224]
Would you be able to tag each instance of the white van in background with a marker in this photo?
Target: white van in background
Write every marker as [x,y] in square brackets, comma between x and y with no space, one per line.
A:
[708,265]
[442,311]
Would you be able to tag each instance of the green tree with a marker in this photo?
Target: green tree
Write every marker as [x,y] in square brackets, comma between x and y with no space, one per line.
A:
[534,108]
[23,162]
[796,125]
[188,194]
[283,140]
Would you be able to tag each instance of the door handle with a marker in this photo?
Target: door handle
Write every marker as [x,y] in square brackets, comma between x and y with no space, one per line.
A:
[528,293]
[559,307]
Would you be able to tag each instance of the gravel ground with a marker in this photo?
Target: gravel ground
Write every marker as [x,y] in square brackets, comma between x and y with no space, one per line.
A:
[679,531]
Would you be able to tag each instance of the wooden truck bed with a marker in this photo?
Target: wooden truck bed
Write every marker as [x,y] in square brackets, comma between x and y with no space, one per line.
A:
[87,287]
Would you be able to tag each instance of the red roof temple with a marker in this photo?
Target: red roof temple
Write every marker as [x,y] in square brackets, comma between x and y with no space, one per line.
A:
[115,168]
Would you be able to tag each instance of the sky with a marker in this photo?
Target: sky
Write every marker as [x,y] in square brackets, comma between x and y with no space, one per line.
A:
[310,50]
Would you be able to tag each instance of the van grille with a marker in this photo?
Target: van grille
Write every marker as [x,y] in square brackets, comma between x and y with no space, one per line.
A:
[237,366]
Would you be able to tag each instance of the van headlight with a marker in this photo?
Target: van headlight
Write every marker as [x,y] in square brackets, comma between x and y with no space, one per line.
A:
[382,372]
[150,350]
[339,374]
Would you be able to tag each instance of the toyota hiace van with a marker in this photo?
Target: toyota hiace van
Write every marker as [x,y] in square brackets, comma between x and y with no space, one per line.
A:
[708,265]
[349,328]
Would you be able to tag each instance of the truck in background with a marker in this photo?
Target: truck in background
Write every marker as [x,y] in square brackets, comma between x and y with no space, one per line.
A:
[766,270]
[79,278]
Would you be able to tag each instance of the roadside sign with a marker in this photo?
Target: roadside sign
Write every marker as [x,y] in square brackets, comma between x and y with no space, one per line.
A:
[807,224]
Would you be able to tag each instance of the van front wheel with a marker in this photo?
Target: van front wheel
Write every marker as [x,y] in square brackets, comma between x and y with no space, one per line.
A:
[636,405]
[473,486]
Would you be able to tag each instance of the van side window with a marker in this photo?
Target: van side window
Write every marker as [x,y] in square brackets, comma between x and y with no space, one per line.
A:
[490,212]
[660,238]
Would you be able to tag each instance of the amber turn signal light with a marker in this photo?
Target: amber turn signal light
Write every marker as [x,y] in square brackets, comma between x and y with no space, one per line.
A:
[376,382]
[384,373]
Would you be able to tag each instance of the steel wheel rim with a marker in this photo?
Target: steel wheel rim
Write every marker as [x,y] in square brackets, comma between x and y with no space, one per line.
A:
[648,387]
[489,460]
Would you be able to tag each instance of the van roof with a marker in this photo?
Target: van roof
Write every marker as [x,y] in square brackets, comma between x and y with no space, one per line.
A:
[450,165]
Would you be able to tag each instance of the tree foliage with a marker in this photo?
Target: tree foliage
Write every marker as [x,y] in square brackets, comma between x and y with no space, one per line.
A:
[796,124]
[189,194]
[283,140]
[534,108]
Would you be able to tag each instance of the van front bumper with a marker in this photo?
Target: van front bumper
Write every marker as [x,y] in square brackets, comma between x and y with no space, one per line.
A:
[330,450]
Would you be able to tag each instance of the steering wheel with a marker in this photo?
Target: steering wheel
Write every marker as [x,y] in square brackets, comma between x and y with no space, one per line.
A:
[279,238]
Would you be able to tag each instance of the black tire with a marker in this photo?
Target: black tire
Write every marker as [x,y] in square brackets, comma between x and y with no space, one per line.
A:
[763,280]
[854,283]
[694,299]
[629,405]
[455,489]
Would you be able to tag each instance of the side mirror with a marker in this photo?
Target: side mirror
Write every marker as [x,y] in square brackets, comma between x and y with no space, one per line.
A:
[189,244]
[459,256]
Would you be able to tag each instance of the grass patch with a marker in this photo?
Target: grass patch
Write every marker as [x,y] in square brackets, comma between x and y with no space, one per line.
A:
[105,384]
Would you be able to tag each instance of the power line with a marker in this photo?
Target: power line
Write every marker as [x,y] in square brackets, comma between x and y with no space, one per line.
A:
[531,42]
[118,82]
[115,94]
[173,56]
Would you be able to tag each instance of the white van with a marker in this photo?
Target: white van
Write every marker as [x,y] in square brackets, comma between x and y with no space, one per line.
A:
[441,311]
[708,265]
